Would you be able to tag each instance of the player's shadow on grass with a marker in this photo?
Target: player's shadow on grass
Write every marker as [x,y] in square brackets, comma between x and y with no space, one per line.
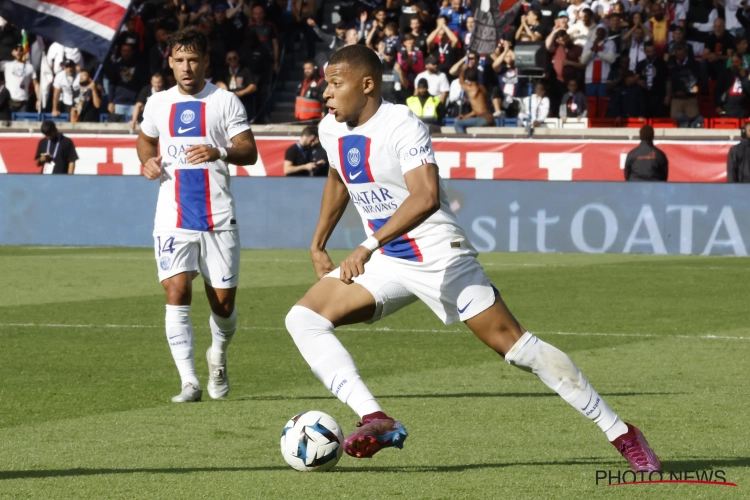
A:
[41,474]
[703,463]
[451,396]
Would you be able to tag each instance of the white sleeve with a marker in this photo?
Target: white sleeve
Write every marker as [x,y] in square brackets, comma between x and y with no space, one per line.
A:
[57,83]
[148,126]
[413,144]
[236,119]
[543,109]
[331,150]
[444,86]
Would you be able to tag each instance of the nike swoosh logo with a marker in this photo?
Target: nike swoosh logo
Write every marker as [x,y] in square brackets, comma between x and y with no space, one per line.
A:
[227,279]
[461,311]
[173,336]
[352,177]
[183,130]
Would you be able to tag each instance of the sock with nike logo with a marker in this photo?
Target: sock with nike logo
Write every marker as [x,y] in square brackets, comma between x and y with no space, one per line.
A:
[180,338]
[559,373]
[222,331]
[329,359]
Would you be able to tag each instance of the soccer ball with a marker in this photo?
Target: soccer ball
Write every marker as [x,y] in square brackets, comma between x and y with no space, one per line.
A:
[311,441]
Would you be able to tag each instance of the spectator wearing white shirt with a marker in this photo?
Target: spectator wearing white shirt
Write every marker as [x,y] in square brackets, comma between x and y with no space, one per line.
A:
[536,107]
[636,38]
[598,54]
[19,76]
[57,54]
[437,82]
[583,28]
[66,87]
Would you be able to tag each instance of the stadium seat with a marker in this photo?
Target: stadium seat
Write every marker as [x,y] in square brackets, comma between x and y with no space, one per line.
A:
[510,122]
[706,106]
[662,123]
[498,122]
[601,107]
[724,123]
[634,123]
[591,101]
[552,123]
[602,122]
[575,123]
[26,117]
[62,117]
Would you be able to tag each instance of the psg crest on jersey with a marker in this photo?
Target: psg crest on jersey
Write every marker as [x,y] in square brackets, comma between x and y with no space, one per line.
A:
[187,116]
[353,157]
[165,263]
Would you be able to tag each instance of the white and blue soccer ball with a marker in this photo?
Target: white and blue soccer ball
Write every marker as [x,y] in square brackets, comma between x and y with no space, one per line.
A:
[312,441]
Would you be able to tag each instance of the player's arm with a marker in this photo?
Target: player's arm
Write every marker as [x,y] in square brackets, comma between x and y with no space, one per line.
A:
[243,151]
[424,200]
[332,207]
[147,149]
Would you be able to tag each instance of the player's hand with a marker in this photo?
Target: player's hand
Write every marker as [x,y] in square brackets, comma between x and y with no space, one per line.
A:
[354,265]
[152,168]
[322,263]
[201,153]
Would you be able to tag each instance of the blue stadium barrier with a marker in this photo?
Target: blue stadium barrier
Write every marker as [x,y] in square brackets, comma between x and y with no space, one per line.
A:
[25,117]
[62,117]
[523,216]
[448,122]
[510,122]
[498,122]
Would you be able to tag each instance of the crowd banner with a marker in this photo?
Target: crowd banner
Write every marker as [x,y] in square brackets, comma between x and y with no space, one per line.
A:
[510,216]
[553,160]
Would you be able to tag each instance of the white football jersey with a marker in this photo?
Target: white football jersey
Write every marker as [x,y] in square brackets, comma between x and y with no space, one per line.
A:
[194,197]
[372,160]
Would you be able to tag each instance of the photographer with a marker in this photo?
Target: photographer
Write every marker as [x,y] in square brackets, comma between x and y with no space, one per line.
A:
[56,154]
[738,161]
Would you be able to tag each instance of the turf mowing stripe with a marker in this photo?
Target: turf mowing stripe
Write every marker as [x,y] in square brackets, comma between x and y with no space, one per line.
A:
[387,329]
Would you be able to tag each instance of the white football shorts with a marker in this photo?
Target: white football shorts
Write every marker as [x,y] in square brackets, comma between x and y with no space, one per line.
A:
[455,288]
[214,254]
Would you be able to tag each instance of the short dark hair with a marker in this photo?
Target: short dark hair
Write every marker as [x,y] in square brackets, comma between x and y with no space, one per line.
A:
[48,126]
[471,75]
[310,131]
[679,46]
[158,73]
[190,39]
[648,43]
[341,25]
[647,133]
[408,36]
[360,58]
[311,61]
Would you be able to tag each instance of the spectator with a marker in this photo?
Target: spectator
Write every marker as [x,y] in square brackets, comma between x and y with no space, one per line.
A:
[5,114]
[504,95]
[738,160]
[308,104]
[442,44]
[598,55]
[19,77]
[56,154]
[682,89]
[456,15]
[740,46]
[389,38]
[616,31]
[616,72]
[575,10]
[436,80]
[579,31]
[58,53]
[126,78]
[410,59]
[156,85]
[267,34]
[574,103]
[628,100]
[561,22]
[419,34]
[394,79]
[304,10]
[548,13]
[479,116]
[89,101]
[376,24]
[603,8]
[333,42]
[706,28]
[678,36]
[566,56]
[428,108]
[732,90]
[241,81]
[719,48]
[536,107]
[465,38]
[129,36]
[158,57]
[299,159]
[66,89]
[225,29]
[530,30]
[659,28]
[652,76]
[636,38]
[646,162]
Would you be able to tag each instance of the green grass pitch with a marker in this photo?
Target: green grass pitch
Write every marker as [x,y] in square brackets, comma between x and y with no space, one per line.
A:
[86,379]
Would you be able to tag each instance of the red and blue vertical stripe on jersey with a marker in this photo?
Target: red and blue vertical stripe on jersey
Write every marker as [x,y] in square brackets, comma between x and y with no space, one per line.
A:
[354,158]
[187,119]
[402,247]
[193,196]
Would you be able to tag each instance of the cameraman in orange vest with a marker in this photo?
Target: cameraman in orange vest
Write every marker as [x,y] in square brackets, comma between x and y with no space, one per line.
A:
[308,104]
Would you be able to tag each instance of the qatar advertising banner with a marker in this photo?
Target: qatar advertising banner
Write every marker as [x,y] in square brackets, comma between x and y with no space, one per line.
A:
[520,159]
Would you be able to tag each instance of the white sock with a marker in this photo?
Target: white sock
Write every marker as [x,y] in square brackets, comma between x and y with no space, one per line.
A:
[180,338]
[222,331]
[329,360]
[559,373]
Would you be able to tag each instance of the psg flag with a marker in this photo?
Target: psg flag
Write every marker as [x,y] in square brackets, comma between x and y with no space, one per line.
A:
[491,19]
[89,25]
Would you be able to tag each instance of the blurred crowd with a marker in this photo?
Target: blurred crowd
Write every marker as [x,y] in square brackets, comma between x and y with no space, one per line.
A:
[642,58]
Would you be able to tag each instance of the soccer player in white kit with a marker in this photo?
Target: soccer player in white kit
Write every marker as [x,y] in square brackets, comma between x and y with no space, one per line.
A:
[199,129]
[382,159]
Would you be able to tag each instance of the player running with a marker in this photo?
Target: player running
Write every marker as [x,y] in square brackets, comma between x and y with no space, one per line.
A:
[195,229]
[383,160]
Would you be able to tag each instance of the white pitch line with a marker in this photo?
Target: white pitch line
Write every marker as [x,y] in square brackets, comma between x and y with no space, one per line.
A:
[386,329]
